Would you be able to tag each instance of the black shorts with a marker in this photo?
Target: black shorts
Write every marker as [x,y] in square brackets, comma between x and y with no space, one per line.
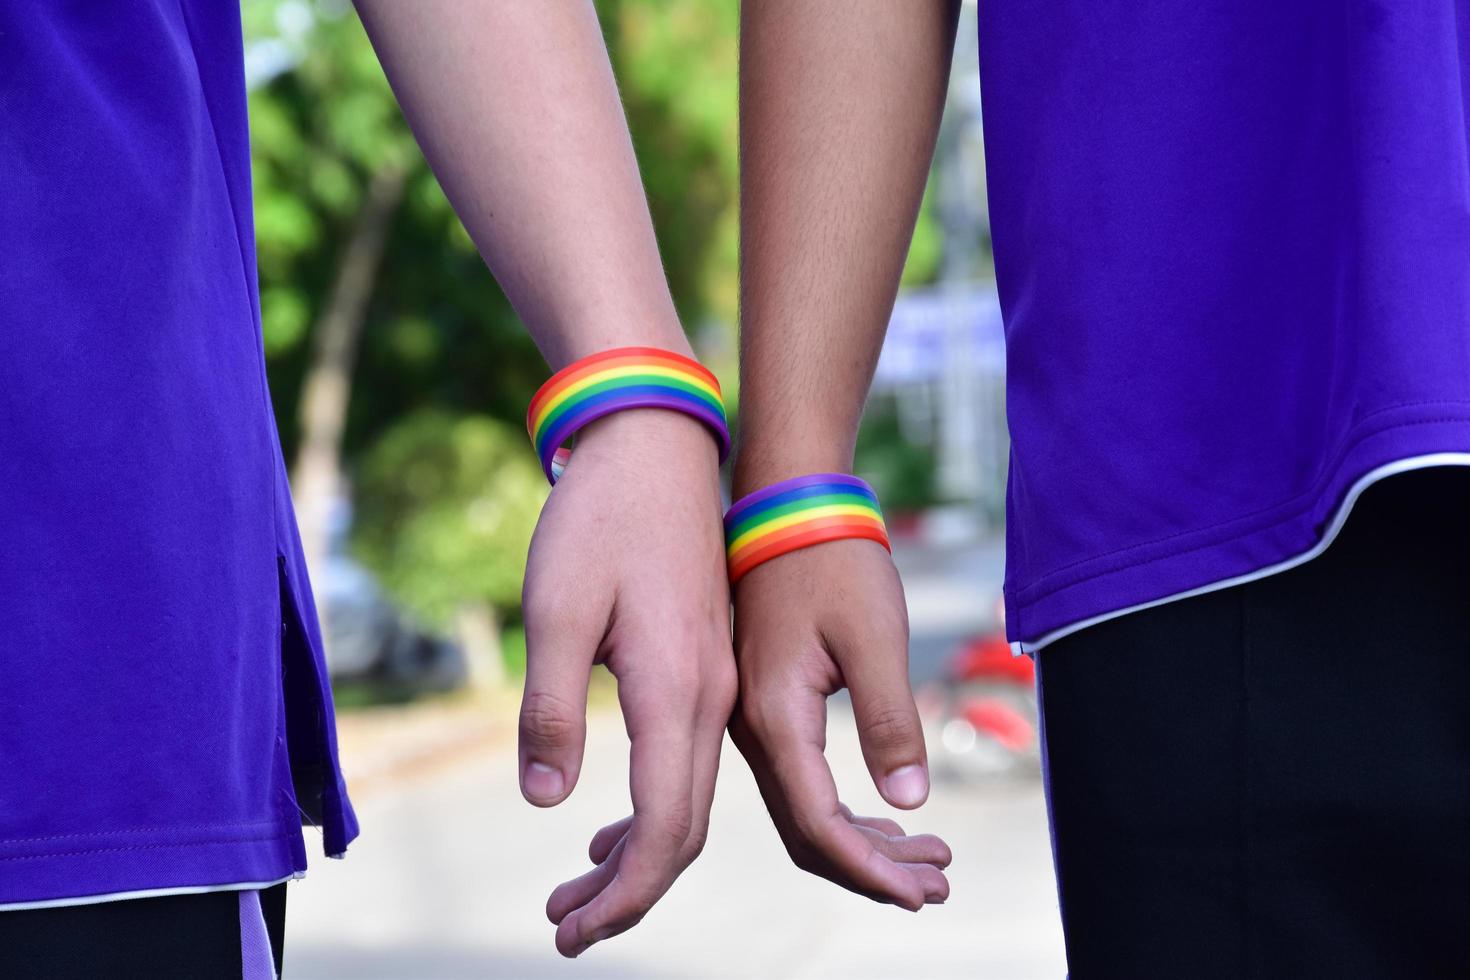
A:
[1273,780]
[174,937]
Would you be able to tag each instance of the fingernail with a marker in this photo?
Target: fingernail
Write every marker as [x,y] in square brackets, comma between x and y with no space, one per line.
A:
[906,785]
[543,782]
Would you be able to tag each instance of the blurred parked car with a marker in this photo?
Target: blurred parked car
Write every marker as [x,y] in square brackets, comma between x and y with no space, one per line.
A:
[369,640]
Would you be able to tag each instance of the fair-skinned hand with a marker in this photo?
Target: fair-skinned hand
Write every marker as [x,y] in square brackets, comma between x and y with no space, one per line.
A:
[627,569]
[807,624]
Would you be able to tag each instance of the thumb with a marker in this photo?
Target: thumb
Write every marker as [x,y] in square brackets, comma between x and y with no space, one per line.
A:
[553,722]
[877,677]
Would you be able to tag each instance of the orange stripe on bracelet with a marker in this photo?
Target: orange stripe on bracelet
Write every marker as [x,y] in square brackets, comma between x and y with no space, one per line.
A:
[797,514]
[615,380]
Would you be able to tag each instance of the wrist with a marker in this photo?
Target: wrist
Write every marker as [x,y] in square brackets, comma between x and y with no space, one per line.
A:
[760,463]
[663,333]
[651,434]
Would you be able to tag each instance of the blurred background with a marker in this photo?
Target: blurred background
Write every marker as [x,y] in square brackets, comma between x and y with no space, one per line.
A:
[400,377]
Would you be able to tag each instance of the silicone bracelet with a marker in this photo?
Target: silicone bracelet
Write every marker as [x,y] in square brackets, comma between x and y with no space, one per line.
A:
[799,513]
[614,380]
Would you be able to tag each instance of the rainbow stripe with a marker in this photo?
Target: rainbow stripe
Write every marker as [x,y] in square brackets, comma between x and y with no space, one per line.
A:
[629,377]
[799,513]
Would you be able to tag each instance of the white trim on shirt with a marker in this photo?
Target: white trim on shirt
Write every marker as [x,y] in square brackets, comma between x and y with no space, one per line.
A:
[1333,528]
[54,903]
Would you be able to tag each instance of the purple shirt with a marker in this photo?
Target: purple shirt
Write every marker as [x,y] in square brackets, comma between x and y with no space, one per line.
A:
[1233,250]
[164,709]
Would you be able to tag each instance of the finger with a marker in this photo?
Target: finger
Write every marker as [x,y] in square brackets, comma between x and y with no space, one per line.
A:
[607,838]
[661,778]
[553,720]
[932,880]
[792,738]
[888,834]
[881,824]
[716,702]
[572,895]
[919,849]
[887,720]
[714,707]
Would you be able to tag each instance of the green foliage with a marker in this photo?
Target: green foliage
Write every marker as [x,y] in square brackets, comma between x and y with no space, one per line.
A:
[676,64]
[446,506]
[513,649]
[901,471]
[927,248]
[439,331]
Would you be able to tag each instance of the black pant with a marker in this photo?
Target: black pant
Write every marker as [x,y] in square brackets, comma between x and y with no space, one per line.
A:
[176,937]
[1273,780]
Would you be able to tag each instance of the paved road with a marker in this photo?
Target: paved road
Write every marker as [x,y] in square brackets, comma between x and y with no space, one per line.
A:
[449,879]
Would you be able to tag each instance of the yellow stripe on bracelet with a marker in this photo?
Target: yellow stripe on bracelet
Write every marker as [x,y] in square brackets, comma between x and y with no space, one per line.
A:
[767,528]
[615,380]
[639,369]
[797,514]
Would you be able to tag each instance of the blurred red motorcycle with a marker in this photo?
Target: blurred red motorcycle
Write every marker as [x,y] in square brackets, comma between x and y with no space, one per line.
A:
[987,720]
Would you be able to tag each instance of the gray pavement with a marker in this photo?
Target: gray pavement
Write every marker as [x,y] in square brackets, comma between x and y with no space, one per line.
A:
[449,879]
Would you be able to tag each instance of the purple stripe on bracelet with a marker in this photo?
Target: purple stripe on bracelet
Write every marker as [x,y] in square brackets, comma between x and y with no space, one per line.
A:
[796,483]
[592,413]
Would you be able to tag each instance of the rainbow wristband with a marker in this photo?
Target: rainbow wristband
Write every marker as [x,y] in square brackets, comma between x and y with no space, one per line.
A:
[614,380]
[799,513]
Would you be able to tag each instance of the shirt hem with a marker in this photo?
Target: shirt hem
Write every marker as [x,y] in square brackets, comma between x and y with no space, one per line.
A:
[1255,554]
[140,866]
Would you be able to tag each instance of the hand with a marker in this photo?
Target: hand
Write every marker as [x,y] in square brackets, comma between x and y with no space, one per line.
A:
[806,624]
[627,569]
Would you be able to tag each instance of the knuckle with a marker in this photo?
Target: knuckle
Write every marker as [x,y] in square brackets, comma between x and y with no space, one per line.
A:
[539,604]
[694,843]
[887,727]
[724,683]
[768,704]
[807,828]
[676,826]
[718,691]
[547,720]
[675,674]
[682,675]
[801,857]
[631,907]
[754,713]
[896,621]
[554,612]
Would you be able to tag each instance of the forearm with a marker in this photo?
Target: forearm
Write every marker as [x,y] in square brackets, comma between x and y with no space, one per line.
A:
[517,111]
[840,104]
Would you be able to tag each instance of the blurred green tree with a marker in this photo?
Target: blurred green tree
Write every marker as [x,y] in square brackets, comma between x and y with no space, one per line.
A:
[446,507]
[677,68]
